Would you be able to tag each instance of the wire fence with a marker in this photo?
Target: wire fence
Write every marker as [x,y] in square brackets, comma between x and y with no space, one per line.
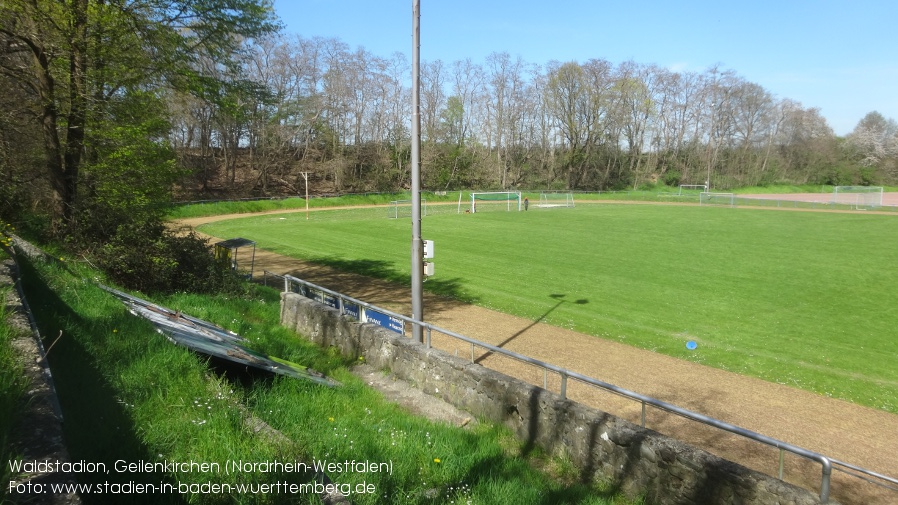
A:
[446,202]
[563,377]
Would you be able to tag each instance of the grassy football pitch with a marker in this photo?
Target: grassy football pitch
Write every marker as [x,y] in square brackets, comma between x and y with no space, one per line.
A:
[799,298]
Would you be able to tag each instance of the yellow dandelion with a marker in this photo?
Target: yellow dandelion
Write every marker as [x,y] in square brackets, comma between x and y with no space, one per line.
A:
[331,419]
[436,460]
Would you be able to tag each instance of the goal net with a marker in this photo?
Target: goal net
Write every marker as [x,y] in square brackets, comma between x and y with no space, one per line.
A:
[550,200]
[403,208]
[497,200]
[725,199]
[858,197]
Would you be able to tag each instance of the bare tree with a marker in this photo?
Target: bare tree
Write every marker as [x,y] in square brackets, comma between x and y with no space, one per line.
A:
[469,85]
[634,107]
[577,100]
[504,88]
[433,98]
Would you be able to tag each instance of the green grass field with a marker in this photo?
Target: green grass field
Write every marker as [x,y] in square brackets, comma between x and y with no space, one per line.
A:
[802,299]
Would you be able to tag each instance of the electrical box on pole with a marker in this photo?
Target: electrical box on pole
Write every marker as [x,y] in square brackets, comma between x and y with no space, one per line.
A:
[428,254]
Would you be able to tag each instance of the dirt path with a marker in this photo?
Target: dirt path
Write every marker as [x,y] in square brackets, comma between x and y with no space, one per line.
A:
[841,430]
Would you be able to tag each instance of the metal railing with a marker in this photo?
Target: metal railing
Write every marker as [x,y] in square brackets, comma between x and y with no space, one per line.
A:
[827,464]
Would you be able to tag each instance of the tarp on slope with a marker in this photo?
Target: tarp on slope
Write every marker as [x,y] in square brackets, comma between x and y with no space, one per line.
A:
[206,338]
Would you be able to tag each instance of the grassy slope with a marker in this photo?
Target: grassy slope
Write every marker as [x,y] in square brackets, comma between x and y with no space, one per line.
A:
[128,394]
[796,298]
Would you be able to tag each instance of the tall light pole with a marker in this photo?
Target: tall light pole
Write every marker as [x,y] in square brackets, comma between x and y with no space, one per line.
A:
[305,176]
[710,149]
[417,244]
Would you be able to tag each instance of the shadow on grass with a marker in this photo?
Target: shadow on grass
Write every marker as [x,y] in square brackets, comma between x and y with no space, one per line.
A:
[450,291]
[504,475]
[97,428]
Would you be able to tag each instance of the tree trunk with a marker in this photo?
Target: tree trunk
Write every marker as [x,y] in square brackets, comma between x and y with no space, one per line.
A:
[63,157]
[53,152]
[77,119]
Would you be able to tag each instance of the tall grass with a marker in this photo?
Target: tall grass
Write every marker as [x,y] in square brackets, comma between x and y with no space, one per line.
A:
[801,299]
[12,390]
[128,394]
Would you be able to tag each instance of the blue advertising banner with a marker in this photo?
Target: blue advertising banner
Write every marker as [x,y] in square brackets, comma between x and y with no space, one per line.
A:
[330,301]
[388,322]
[351,309]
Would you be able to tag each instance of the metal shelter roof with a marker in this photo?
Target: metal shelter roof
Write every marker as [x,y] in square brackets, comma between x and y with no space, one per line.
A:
[234,243]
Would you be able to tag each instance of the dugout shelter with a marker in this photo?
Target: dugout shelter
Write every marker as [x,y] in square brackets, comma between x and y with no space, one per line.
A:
[241,262]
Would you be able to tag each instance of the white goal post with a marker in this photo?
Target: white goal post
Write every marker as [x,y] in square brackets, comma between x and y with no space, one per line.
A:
[707,198]
[496,200]
[702,187]
[550,200]
[858,197]
[403,208]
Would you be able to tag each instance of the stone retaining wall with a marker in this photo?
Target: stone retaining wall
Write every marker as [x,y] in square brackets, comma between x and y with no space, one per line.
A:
[637,460]
[37,436]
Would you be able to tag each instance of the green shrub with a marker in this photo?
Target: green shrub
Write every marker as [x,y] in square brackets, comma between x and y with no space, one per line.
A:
[672,178]
[150,258]
[647,186]
[868,176]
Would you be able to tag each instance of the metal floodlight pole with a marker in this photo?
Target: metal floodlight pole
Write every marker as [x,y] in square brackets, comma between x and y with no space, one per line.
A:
[417,244]
[711,149]
[305,176]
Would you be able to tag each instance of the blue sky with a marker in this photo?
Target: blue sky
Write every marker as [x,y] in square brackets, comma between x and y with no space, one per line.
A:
[838,56]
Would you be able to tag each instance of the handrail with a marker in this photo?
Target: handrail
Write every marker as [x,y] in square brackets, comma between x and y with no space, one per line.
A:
[825,462]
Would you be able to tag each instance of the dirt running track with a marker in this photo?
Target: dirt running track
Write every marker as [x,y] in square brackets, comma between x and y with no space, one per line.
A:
[838,429]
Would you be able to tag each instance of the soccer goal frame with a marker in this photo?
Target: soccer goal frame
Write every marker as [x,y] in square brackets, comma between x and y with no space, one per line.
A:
[725,199]
[552,200]
[497,197]
[403,208]
[692,186]
[858,197]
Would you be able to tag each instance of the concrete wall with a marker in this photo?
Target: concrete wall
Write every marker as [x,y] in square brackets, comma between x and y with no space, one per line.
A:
[639,461]
[38,433]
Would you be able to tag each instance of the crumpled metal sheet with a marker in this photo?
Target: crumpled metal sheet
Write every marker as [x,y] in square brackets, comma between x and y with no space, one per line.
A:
[206,338]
